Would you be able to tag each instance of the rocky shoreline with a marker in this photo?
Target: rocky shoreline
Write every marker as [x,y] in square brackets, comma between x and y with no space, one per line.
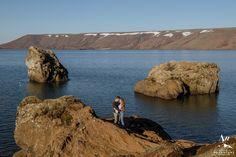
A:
[67,127]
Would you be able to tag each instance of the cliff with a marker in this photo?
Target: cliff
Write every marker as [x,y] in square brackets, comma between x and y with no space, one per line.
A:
[199,39]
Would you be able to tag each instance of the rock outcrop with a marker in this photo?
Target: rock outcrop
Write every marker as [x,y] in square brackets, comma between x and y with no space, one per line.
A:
[44,66]
[66,127]
[174,79]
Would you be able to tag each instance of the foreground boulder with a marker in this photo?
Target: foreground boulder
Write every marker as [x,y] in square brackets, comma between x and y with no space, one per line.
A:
[44,66]
[66,127]
[175,79]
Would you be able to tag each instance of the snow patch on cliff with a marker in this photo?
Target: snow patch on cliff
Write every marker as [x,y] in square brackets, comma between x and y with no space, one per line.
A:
[186,33]
[91,34]
[207,31]
[122,34]
[169,35]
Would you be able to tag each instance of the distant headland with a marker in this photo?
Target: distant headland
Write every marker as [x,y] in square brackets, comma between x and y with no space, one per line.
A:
[188,39]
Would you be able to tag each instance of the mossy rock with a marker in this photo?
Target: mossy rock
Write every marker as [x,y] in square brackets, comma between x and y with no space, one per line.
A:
[66,118]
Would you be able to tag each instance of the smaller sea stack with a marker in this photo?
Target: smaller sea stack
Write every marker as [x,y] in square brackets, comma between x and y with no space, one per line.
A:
[44,66]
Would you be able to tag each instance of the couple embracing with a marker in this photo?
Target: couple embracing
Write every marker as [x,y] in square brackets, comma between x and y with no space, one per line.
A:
[119,108]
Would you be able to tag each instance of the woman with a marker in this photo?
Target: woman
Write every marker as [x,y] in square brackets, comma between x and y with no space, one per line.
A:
[115,105]
[121,111]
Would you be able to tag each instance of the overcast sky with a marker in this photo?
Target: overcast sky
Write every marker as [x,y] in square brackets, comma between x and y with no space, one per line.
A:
[21,17]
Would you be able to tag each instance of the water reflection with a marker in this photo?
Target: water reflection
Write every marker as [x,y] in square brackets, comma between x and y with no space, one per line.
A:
[197,102]
[200,112]
[46,90]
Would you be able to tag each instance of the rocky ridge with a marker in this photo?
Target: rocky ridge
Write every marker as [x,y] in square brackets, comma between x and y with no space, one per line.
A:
[189,39]
[67,127]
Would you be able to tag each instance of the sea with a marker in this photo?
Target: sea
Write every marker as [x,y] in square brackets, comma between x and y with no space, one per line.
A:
[97,76]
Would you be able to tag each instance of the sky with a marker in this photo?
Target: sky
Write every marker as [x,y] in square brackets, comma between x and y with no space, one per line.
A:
[21,17]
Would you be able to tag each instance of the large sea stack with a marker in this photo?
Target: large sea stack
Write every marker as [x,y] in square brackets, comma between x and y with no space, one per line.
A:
[174,79]
[44,66]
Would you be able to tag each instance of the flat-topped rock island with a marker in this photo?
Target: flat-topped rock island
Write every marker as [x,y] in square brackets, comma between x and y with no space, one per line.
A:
[178,78]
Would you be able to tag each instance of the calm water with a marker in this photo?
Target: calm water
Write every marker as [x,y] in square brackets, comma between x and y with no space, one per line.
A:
[97,76]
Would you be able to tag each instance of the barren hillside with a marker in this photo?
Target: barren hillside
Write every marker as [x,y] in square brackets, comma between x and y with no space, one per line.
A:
[199,39]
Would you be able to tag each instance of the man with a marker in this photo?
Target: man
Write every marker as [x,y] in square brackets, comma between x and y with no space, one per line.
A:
[121,111]
[115,105]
